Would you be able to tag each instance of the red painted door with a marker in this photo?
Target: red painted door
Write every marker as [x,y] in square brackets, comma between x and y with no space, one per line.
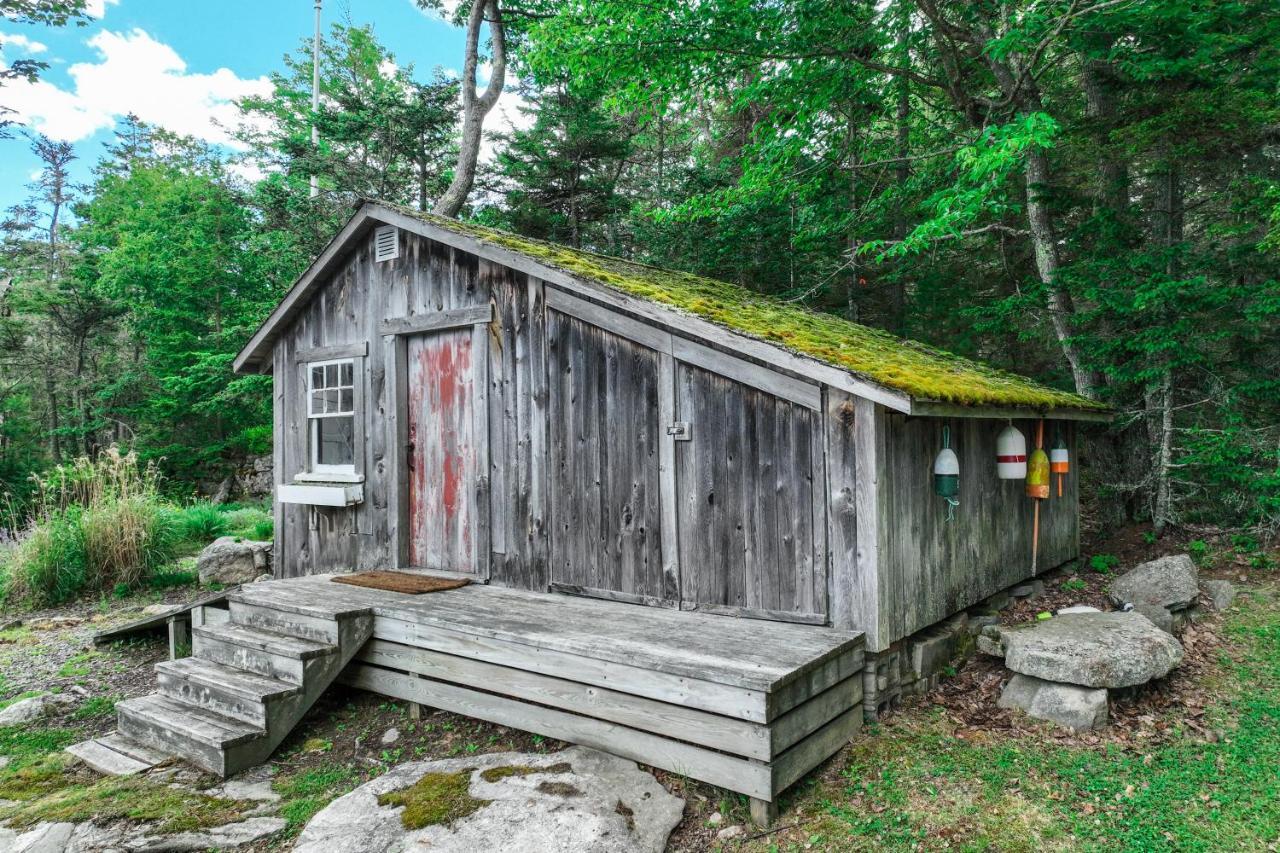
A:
[443,452]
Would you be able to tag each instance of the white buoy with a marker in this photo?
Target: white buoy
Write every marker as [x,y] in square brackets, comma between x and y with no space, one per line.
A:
[1011,454]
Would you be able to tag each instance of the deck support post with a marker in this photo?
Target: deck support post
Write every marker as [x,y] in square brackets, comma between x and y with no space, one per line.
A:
[763,812]
[179,637]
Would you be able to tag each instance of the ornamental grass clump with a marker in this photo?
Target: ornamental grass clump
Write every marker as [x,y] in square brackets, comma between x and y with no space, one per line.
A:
[99,524]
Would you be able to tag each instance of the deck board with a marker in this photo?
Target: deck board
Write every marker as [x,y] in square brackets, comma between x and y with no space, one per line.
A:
[751,654]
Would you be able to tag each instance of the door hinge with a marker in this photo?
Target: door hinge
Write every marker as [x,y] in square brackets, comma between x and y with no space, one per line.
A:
[680,431]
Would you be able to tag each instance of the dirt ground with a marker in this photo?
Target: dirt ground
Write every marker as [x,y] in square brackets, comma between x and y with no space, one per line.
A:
[341,742]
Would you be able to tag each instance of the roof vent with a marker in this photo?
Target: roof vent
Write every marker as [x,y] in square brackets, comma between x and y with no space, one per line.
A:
[386,243]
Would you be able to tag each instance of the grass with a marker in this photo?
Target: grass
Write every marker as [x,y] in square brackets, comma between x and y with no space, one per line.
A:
[77,666]
[436,798]
[100,526]
[916,785]
[305,793]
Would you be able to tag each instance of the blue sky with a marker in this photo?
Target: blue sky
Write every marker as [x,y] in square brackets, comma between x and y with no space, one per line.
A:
[178,63]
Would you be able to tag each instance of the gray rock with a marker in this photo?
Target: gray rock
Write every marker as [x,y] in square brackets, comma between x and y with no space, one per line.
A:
[160,609]
[27,710]
[716,819]
[10,624]
[602,803]
[989,645]
[219,838]
[390,736]
[1079,608]
[1080,709]
[1169,582]
[241,789]
[1221,593]
[54,623]
[1159,616]
[1028,589]
[731,832]
[44,838]
[227,561]
[1092,650]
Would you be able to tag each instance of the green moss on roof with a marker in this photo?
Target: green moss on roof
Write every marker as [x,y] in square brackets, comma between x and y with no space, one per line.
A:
[923,372]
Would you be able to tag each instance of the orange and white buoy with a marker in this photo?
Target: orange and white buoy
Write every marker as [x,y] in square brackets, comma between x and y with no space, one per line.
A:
[1059,460]
[1011,454]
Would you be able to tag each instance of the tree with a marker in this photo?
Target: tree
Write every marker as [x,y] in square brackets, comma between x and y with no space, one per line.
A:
[49,13]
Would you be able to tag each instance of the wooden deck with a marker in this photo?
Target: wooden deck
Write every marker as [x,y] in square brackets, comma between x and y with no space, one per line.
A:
[748,705]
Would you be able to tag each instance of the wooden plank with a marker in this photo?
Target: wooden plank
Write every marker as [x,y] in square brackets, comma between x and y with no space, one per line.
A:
[761,378]
[729,734]
[396,352]
[789,767]
[717,698]
[868,439]
[357,350]
[849,608]
[803,720]
[612,595]
[619,324]
[481,436]
[934,409]
[668,506]
[451,319]
[754,613]
[737,774]
[814,679]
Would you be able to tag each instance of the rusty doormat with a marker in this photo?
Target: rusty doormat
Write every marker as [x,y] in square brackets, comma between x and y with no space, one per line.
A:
[406,582]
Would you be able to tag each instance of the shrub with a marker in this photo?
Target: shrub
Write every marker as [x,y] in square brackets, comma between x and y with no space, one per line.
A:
[201,523]
[264,531]
[99,525]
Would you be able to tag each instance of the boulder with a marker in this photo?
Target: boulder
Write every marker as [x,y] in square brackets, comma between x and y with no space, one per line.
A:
[228,560]
[1169,582]
[1092,649]
[1159,616]
[1080,709]
[578,799]
[27,710]
[1220,593]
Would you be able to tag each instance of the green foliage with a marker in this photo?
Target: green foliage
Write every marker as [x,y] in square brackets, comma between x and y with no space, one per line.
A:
[307,792]
[201,523]
[1074,584]
[1103,564]
[1199,551]
[436,798]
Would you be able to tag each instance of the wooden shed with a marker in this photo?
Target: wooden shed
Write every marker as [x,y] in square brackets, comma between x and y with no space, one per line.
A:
[624,459]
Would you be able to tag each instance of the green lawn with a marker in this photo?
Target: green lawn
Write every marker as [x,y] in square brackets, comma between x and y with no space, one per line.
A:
[915,785]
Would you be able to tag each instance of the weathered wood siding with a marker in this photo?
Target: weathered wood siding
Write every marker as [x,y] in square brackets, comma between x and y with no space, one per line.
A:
[930,568]
[752,533]
[604,434]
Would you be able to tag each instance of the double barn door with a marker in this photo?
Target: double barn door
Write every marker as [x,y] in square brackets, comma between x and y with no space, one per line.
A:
[680,476]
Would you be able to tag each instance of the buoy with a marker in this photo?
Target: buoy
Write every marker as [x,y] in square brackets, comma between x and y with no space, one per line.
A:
[946,474]
[1059,460]
[1038,490]
[1011,454]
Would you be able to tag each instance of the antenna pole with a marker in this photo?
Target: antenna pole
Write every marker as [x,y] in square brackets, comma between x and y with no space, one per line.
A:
[315,98]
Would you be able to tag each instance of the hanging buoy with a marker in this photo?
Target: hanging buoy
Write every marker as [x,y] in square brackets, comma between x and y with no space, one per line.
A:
[1038,490]
[946,474]
[1059,460]
[1011,454]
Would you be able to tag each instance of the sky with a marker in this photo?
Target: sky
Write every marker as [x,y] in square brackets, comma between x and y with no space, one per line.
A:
[180,64]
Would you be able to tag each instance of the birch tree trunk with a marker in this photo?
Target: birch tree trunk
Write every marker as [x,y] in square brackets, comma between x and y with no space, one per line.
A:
[475,106]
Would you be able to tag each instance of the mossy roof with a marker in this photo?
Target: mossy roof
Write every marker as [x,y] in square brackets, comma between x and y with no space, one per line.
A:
[923,372]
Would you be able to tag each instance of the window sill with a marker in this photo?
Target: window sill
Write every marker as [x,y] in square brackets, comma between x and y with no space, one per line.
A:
[328,477]
[320,495]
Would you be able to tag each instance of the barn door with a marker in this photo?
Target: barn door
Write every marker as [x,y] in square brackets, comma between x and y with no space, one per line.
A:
[748,469]
[605,442]
[447,507]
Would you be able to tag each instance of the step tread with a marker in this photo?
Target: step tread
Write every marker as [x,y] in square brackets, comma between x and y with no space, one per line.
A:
[245,684]
[266,640]
[191,722]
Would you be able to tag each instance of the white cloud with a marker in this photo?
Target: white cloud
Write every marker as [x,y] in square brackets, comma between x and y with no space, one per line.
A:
[510,113]
[98,8]
[134,73]
[21,43]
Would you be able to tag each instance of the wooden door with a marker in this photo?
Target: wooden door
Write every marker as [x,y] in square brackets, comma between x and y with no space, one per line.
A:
[605,435]
[752,539]
[447,513]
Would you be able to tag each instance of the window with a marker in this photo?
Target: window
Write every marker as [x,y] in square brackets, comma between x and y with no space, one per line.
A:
[331,411]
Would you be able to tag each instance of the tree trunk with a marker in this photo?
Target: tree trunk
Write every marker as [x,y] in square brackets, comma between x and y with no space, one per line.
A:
[1168,223]
[475,107]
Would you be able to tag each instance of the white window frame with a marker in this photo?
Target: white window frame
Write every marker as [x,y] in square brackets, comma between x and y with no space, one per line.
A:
[313,419]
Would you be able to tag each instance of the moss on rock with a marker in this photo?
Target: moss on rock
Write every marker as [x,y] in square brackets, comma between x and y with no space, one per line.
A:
[922,371]
[436,798]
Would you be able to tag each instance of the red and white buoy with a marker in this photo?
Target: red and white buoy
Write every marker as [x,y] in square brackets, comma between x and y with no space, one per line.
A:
[1059,460]
[1011,454]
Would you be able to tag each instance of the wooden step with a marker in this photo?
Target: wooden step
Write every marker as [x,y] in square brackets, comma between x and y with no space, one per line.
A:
[323,629]
[224,690]
[200,736]
[259,650]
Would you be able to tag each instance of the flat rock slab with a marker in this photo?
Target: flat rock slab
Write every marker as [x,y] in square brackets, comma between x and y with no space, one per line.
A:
[1092,650]
[1080,709]
[598,802]
[1221,593]
[120,837]
[1169,582]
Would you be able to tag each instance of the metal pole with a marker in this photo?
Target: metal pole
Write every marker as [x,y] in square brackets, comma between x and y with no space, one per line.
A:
[315,98]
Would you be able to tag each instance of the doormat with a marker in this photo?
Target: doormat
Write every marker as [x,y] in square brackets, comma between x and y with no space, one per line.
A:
[406,582]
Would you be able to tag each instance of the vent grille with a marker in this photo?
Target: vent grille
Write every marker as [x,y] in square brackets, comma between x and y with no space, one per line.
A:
[386,243]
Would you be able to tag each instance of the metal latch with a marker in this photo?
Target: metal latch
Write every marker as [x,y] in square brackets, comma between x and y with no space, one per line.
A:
[680,431]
